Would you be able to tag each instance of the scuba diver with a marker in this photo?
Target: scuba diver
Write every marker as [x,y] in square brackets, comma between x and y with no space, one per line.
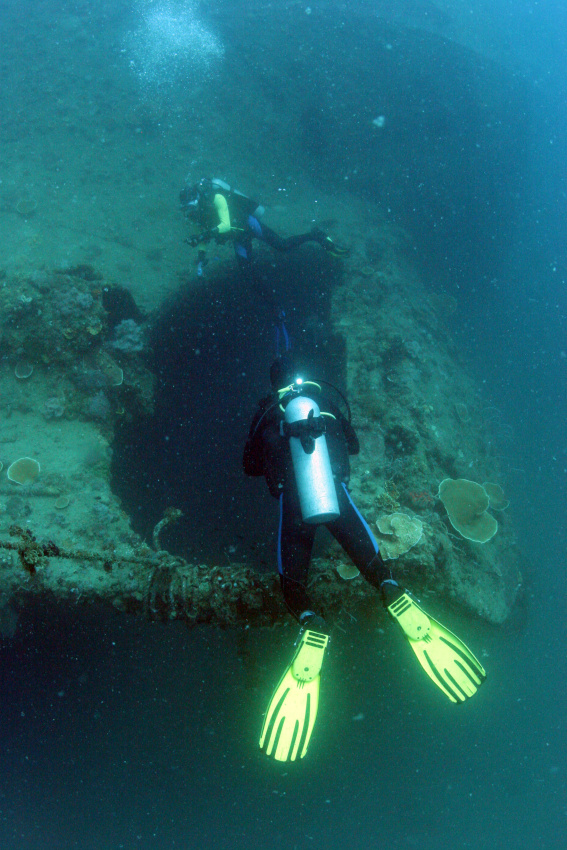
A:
[224,214]
[300,441]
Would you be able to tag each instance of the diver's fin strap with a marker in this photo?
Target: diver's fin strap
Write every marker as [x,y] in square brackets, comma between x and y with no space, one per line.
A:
[308,659]
[414,622]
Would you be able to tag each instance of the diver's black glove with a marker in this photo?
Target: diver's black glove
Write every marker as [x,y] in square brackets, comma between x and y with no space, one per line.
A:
[202,238]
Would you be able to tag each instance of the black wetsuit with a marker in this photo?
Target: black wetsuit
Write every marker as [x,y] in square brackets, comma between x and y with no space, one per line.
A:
[268,453]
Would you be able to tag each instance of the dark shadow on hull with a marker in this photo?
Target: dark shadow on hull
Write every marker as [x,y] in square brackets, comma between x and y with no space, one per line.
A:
[213,343]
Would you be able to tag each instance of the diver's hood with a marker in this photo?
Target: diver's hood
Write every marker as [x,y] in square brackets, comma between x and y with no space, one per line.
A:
[189,198]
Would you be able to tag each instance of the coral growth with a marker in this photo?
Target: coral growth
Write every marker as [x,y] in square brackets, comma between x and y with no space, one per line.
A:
[419,418]
[71,302]
[128,337]
[98,407]
[399,533]
[466,503]
[24,470]
[53,407]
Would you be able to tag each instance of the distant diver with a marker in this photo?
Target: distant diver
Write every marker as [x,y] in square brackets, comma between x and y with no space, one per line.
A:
[300,441]
[223,214]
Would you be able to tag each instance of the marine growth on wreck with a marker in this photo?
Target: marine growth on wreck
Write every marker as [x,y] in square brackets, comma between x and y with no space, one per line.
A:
[75,368]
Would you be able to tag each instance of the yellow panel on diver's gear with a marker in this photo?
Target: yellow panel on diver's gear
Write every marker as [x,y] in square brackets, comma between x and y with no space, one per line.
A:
[292,711]
[445,658]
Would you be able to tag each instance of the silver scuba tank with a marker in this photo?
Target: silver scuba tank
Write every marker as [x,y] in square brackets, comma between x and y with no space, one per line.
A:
[313,474]
[220,184]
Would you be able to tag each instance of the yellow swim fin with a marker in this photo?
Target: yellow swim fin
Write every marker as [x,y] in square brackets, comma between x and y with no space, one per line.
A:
[292,711]
[445,658]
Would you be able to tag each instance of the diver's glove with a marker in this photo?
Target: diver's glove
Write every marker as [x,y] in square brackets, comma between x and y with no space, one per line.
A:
[202,238]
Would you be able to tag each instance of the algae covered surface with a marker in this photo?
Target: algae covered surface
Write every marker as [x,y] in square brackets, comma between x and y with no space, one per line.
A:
[93,371]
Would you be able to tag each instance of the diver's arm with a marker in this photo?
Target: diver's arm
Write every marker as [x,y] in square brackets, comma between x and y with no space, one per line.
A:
[253,458]
[221,207]
[222,227]
[353,446]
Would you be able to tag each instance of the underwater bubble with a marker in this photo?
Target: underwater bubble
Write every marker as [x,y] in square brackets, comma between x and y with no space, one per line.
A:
[171,45]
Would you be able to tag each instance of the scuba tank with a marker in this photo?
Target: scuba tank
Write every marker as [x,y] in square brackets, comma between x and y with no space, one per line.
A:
[305,428]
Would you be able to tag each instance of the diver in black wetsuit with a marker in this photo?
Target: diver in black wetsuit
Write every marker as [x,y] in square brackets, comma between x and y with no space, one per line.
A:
[267,452]
[224,213]
[302,448]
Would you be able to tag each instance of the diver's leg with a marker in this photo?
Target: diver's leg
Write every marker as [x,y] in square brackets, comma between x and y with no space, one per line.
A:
[279,243]
[448,662]
[244,257]
[270,237]
[353,533]
[290,717]
[295,544]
